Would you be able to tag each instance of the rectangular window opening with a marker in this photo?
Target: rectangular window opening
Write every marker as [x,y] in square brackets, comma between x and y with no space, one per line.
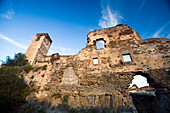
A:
[95,61]
[100,44]
[127,58]
[57,66]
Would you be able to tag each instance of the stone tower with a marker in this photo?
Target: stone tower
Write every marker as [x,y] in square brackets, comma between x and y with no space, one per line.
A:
[38,48]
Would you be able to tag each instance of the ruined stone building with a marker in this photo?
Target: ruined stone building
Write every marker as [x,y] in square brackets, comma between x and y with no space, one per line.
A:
[100,74]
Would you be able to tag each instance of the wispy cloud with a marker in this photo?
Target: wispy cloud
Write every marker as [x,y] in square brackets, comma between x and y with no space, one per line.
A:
[90,29]
[13,42]
[159,32]
[168,36]
[141,6]
[62,50]
[9,14]
[109,18]
[65,49]
[137,15]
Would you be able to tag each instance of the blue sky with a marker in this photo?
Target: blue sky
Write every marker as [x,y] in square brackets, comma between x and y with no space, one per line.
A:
[69,21]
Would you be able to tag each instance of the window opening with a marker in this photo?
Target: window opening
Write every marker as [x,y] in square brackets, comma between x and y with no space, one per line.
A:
[100,44]
[56,66]
[95,61]
[127,58]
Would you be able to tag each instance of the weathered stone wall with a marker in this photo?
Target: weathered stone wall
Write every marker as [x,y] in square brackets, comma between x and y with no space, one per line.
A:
[38,48]
[106,84]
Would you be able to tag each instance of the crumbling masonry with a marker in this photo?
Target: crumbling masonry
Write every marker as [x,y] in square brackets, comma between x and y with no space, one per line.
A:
[100,76]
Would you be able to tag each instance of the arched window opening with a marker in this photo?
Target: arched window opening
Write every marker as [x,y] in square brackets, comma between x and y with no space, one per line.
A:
[139,81]
[100,44]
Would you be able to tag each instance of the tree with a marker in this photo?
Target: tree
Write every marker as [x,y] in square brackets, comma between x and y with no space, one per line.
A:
[13,90]
[19,60]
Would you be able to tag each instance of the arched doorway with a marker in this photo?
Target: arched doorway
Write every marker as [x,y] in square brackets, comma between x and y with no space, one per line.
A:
[142,92]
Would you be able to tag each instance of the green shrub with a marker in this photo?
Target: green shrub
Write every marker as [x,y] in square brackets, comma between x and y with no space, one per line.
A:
[13,90]
[57,95]
[19,60]
[41,110]
[36,69]
[29,108]
[73,110]
[27,68]
[44,67]
[66,99]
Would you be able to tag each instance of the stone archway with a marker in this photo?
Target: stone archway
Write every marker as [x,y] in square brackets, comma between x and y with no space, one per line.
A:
[145,101]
